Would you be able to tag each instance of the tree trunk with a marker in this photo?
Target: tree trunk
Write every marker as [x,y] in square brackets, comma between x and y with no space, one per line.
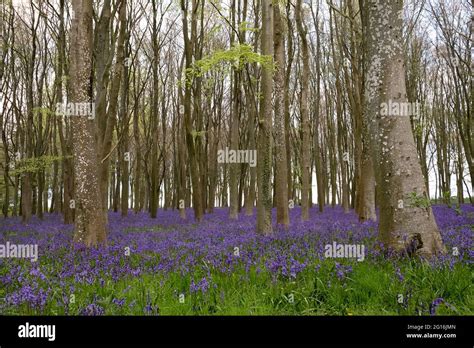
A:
[90,228]
[405,226]
[188,122]
[304,110]
[281,169]
[264,147]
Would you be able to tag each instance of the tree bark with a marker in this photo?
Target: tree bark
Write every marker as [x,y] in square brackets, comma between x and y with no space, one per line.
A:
[404,225]
[281,169]
[90,228]
[264,147]
[304,111]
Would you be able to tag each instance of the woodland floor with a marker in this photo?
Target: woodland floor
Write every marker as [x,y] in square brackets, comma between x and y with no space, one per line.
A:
[167,266]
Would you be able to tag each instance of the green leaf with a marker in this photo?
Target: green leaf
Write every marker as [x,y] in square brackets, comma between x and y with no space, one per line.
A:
[34,164]
[234,58]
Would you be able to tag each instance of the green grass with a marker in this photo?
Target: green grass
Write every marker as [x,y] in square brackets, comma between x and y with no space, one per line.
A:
[370,289]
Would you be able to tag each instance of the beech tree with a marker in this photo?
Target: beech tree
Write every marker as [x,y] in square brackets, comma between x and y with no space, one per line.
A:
[281,164]
[90,224]
[304,107]
[302,82]
[406,219]
[264,149]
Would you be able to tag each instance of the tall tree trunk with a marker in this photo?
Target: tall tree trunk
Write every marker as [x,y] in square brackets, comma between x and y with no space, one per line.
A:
[404,225]
[154,119]
[137,147]
[181,170]
[252,114]
[189,42]
[264,149]
[281,169]
[125,159]
[27,177]
[106,108]
[317,133]
[291,54]
[65,137]
[304,110]
[366,185]
[234,168]
[90,228]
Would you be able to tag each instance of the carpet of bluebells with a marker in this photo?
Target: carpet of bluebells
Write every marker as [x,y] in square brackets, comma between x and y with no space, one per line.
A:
[169,266]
